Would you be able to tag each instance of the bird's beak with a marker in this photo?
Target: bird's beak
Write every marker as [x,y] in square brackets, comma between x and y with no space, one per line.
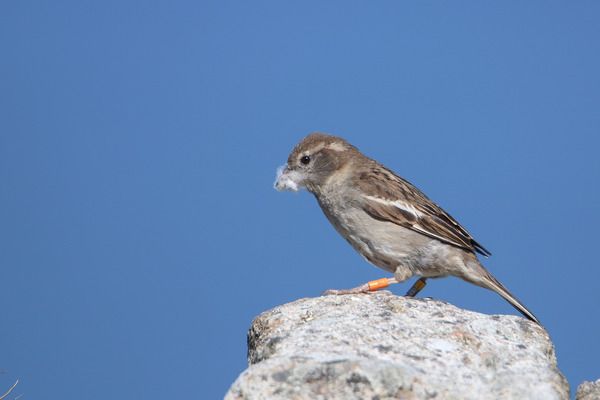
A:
[287,179]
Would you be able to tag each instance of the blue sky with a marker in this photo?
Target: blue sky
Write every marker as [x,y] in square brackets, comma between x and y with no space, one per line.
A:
[138,145]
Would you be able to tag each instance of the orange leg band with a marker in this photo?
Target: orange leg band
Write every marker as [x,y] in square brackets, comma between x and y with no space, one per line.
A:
[378,284]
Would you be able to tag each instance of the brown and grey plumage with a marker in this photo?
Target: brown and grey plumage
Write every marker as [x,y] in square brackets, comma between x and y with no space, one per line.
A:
[390,222]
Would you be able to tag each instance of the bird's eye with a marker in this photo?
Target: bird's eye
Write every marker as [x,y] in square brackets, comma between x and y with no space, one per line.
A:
[305,160]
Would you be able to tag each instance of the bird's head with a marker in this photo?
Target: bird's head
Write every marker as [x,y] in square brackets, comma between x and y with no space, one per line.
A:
[313,162]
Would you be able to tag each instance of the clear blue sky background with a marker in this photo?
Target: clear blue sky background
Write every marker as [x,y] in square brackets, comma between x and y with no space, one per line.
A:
[139,230]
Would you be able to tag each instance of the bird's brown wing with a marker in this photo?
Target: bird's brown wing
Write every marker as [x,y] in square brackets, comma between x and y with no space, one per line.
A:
[387,197]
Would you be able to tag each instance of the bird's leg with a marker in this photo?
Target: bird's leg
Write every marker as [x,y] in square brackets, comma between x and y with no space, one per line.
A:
[371,286]
[416,287]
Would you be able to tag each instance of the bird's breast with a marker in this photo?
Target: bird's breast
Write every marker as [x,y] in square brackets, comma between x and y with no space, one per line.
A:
[383,244]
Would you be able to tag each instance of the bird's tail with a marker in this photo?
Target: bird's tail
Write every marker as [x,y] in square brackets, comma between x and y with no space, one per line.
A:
[489,282]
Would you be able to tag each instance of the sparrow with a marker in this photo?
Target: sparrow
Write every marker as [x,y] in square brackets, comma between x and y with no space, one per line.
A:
[385,218]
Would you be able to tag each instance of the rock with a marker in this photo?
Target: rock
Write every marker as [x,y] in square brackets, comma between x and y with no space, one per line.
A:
[381,346]
[588,391]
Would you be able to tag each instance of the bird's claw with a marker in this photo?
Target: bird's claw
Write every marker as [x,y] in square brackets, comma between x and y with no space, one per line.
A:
[338,292]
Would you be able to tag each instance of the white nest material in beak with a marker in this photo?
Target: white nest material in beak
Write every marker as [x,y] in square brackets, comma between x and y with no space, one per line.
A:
[287,180]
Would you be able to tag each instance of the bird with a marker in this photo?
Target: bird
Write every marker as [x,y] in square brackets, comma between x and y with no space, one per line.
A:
[386,219]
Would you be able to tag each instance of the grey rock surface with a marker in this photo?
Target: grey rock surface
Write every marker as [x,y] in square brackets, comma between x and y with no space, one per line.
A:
[382,346]
[588,391]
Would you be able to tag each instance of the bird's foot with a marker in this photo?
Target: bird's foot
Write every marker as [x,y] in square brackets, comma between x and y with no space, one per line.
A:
[371,286]
[357,290]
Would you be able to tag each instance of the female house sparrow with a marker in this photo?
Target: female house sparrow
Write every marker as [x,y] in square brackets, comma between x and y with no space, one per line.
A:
[391,223]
